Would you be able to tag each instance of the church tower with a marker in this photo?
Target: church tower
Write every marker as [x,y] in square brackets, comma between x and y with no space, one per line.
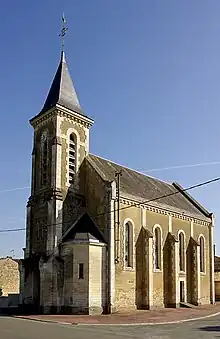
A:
[60,143]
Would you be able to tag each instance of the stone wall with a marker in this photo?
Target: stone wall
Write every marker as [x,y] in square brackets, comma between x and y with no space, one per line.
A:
[128,279]
[217,281]
[9,276]
[85,293]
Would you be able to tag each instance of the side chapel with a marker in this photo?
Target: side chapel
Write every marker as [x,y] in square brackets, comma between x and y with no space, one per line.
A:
[89,250]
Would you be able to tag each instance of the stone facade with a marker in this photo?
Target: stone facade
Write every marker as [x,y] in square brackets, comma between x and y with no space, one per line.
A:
[142,285]
[90,249]
[9,276]
[217,278]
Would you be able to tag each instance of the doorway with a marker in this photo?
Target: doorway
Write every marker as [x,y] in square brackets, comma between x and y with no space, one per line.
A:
[182,292]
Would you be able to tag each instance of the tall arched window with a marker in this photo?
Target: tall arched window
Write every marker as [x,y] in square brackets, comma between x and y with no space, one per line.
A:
[202,253]
[157,248]
[72,158]
[44,158]
[181,251]
[128,245]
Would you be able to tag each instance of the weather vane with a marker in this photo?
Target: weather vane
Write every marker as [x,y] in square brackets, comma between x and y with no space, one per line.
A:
[64,29]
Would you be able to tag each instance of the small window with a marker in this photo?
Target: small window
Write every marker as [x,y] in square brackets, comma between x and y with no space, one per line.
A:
[81,271]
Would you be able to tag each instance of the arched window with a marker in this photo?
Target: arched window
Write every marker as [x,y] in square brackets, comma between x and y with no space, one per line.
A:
[72,158]
[128,245]
[202,253]
[157,248]
[181,251]
[44,158]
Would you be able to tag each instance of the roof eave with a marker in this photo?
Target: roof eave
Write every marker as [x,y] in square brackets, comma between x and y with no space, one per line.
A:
[141,202]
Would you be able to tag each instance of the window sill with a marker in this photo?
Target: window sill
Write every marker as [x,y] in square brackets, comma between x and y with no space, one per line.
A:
[203,273]
[157,270]
[129,269]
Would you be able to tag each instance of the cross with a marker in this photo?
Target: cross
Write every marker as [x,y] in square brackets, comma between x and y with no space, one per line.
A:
[63,31]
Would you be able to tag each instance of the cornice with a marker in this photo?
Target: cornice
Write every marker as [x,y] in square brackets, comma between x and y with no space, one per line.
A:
[79,118]
[163,211]
[41,119]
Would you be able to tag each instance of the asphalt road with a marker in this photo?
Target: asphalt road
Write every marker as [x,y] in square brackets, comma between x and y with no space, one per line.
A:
[12,328]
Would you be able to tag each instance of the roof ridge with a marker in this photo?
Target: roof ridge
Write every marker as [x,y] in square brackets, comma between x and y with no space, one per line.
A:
[134,170]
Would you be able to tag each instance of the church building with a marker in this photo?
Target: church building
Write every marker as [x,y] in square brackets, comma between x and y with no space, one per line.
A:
[101,237]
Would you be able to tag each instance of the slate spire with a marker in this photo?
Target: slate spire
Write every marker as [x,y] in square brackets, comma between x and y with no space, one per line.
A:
[62,90]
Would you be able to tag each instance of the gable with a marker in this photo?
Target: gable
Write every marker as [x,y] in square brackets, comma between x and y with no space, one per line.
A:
[83,229]
[140,187]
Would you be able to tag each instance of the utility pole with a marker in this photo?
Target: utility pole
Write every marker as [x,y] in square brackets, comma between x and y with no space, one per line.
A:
[118,175]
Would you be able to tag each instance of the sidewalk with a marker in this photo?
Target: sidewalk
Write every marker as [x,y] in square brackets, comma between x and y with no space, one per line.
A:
[165,315]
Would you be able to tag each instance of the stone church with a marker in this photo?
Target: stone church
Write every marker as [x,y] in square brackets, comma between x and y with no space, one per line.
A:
[101,237]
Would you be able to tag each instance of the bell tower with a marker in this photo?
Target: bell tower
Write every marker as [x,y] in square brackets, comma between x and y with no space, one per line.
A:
[61,142]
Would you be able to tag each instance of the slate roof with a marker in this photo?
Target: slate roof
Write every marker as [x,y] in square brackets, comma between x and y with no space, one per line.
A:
[84,229]
[140,187]
[62,90]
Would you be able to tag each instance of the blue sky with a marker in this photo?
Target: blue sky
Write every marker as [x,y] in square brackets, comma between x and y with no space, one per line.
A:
[148,72]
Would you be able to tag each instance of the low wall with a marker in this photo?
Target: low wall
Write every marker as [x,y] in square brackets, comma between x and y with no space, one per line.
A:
[3,302]
[217,290]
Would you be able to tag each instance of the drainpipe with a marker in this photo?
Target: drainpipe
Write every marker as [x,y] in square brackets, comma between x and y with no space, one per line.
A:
[111,196]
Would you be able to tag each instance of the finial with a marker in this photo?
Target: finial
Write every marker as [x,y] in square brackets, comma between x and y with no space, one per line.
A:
[63,31]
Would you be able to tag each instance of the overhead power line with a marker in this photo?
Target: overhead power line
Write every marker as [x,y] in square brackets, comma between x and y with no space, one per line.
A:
[12,230]
[129,206]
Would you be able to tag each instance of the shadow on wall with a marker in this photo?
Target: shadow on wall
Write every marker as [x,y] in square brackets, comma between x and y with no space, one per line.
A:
[140,283]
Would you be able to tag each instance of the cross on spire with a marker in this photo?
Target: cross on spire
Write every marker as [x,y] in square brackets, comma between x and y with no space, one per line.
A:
[64,29]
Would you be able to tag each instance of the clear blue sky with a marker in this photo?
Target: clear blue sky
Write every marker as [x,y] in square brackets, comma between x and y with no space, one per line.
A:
[148,72]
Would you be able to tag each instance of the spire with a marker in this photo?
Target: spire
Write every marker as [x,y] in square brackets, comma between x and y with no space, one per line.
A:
[62,90]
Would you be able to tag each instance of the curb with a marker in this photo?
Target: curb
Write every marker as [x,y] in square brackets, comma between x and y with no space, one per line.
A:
[44,320]
[122,324]
[152,324]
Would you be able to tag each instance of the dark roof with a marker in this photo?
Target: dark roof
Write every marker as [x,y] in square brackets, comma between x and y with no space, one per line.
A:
[84,229]
[138,186]
[62,90]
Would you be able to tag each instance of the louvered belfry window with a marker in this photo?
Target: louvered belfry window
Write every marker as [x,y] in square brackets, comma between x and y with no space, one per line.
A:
[72,158]
[44,169]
